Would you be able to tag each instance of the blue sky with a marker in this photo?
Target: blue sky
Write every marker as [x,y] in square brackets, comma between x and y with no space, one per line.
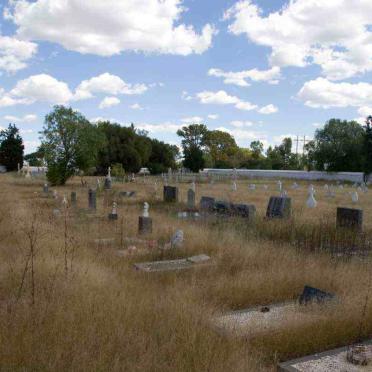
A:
[259,69]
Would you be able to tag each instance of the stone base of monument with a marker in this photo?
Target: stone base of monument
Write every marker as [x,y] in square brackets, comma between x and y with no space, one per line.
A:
[353,358]
[174,265]
[144,225]
[113,217]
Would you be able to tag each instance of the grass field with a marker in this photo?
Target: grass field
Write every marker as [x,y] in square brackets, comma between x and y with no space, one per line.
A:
[67,304]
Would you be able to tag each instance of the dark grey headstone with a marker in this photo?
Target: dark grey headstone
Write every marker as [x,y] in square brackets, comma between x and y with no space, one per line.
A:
[144,225]
[46,189]
[113,216]
[222,207]
[207,204]
[108,183]
[279,207]
[73,198]
[348,217]
[244,210]
[92,200]
[311,294]
[170,194]
[191,199]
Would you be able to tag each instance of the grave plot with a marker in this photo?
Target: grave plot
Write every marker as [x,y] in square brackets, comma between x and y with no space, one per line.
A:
[174,265]
[348,359]
[263,319]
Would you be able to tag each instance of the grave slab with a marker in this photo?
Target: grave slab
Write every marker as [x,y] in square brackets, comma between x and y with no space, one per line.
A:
[334,360]
[172,265]
[279,207]
[351,218]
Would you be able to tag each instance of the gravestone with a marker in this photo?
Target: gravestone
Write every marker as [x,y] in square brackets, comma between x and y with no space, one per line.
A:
[177,239]
[222,207]
[170,194]
[311,202]
[207,204]
[46,189]
[191,199]
[145,221]
[113,216]
[354,197]
[279,207]
[92,200]
[73,198]
[108,183]
[311,294]
[348,217]
[244,210]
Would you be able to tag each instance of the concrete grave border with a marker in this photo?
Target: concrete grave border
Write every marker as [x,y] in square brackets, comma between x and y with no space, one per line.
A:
[288,366]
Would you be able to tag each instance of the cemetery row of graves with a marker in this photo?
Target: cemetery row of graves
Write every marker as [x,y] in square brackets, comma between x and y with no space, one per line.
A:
[241,273]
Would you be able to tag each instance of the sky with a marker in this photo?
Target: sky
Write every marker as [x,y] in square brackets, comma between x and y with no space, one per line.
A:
[258,69]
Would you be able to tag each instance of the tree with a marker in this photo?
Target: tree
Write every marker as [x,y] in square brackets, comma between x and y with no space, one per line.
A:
[221,147]
[339,147]
[281,157]
[367,147]
[70,143]
[11,148]
[193,142]
[193,158]
[36,159]
[162,157]
[193,136]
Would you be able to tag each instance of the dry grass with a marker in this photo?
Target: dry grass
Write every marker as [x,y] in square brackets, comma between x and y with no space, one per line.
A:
[84,308]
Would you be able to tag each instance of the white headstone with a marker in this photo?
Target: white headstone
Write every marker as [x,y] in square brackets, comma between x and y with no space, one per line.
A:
[311,202]
[193,186]
[354,197]
[146,208]
[280,186]
[114,208]
[177,239]
[233,186]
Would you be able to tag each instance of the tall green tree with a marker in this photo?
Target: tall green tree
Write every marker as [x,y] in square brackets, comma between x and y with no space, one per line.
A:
[193,142]
[338,147]
[11,148]
[70,143]
[221,147]
[367,165]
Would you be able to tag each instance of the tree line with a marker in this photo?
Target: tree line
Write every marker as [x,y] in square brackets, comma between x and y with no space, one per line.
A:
[71,144]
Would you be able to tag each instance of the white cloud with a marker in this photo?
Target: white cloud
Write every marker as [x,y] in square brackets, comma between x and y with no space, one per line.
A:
[26,131]
[322,93]
[109,102]
[25,119]
[269,109]
[15,53]
[185,96]
[108,84]
[136,106]
[110,27]
[333,34]
[166,127]
[365,111]
[213,116]
[243,136]
[192,120]
[222,98]
[41,88]
[31,146]
[240,78]
[241,124]
[317,125]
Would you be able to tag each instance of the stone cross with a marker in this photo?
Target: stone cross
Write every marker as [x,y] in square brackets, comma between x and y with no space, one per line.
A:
[234,187]
[64,201]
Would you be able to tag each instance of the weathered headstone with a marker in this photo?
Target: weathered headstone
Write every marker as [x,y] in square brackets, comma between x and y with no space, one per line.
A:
[73,198]
[222,207]
[145,221]
[279,207]
[348,217]
[46,189]
[311,202]
[311,294]
[354,197]
[113,216]
[108,180]
[244,210]
[92,200]
[170,194]
[191,199]
[207,204]
[177,239]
